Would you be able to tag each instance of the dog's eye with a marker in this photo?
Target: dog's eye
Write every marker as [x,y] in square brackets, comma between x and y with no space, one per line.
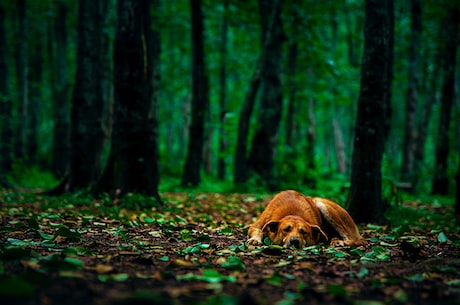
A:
[287,229]
[302,231]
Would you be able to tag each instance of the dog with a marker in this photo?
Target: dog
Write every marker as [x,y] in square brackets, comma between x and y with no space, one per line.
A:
[294,220]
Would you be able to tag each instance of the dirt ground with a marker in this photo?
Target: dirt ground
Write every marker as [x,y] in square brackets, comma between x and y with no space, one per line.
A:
[193,252]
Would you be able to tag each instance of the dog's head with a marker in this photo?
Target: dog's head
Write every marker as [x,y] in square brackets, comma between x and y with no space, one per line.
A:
[293,231]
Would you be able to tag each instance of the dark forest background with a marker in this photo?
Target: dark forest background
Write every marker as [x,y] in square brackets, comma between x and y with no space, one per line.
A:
[357,97]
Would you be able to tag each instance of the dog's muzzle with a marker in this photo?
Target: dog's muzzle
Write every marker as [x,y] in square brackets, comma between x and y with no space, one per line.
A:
[295,242]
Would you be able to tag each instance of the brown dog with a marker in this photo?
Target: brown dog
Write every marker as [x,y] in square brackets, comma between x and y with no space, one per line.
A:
[292,219]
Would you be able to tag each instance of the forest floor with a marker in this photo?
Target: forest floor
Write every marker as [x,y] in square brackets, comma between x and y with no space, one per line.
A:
[81,251]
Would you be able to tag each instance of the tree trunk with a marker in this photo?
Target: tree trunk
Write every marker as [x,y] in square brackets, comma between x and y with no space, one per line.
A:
[292,86]
[133,161]
[241,162]
[22,65]
[339,147]
[106,51]
[441,179]
[365,197]
[457,194]
[241,168]
[410,122]
[200,100]
[310,165]
[389,55]
[431,95]
[61,145]
[86,133]
[6,107]
[221,164]
[262,153]
[36,84]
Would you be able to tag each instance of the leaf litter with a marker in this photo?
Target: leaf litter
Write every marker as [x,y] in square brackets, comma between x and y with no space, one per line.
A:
[193,252]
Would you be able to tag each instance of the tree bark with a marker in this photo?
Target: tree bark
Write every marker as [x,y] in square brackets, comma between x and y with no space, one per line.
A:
[457,193]
[61,144]
[22,65]
[133,161]
[365,197]
[36,96]
[86,133]
[441,179]
[200,100]
[410,122]
[339,146]
[241,163]
[262,153]
[6,107]
[292,86]
[310,177]
[221,164]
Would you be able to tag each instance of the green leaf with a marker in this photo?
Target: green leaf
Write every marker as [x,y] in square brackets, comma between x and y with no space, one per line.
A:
[375,227]
[337,253]
[337,290]
[76,251]
[417,277]
[45,236]
[442,238]
[67,233]
[185,235]
[121,277]
[233,263]
[164,258]
[275,279]
[227,231]
[57,263]
[362,272]
[209,276]
[21,243]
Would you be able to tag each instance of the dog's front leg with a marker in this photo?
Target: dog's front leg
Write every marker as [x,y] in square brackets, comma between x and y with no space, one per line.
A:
[255,236]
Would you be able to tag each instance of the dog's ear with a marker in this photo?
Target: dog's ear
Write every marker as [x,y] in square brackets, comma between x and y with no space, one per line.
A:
[318,233]
[271,226]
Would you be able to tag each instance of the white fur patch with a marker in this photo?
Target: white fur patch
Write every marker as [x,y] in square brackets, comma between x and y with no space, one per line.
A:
[327,215]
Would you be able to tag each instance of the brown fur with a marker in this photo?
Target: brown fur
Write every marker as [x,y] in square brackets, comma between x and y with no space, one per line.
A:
[292,219]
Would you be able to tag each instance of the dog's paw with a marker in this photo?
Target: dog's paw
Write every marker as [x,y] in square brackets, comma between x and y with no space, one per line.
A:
[336,242]
[254,241]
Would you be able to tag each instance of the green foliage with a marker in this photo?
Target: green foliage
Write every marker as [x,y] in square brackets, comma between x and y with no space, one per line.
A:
[31,176]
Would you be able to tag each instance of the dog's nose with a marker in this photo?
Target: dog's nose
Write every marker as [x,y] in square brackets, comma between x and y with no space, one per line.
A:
[294,241]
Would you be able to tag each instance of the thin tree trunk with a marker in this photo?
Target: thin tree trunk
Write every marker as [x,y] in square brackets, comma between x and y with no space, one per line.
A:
[200,100]
[241,162]
[241,169]
[86,133]
[365,197]
[310,164]
[410,127]
[457,193]
[22,64]
[61,145]
[6,136]
[221,164]
[389,55]
[292,86]
[106,51]
[36,76]
[339,147]
[262,153]
[441,179]
[431,93]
